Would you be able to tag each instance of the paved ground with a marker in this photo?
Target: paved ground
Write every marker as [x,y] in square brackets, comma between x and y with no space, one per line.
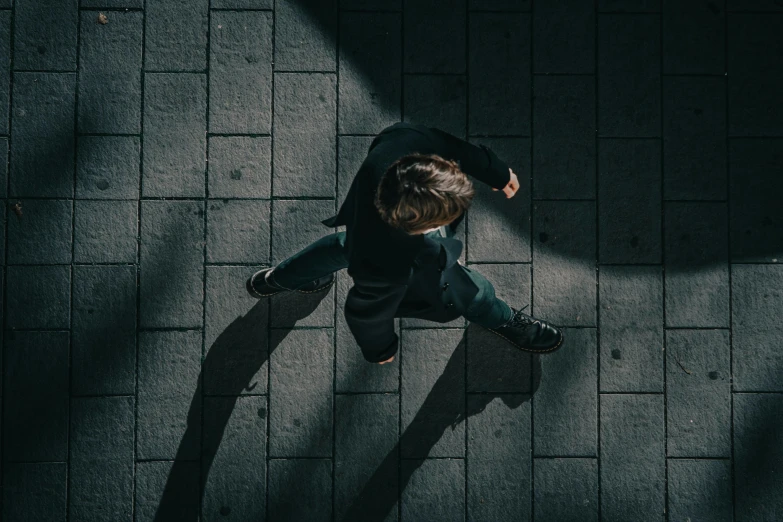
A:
[156,160]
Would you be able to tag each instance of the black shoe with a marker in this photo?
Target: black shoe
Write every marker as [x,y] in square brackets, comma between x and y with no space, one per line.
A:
[529,334]
[262,284]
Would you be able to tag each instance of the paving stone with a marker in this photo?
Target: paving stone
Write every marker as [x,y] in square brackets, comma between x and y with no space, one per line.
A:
[305,35]
[172,257]
[633,465]
[693,38]
[436,100]
[42,137]
[42,234]
[35,491]
[697,273]
[428,51]
[629,93]
[151,483]
[110,73]
[629,201]
[176,35]
[6,4]
[238,231]
[105,231]
[304,155]
[566,489]
[564,38]
[240,167]
[494,365]
[235,335]
[631,329]
[175,139]
[694,138]
[756,307]
[753,55]
[370,72]
[51,49]
[493,219]
[107,167]
[300,489]
[758,459]
[629,6]
[103,356]
[499,458]
[755,213]
[101,473]
[5,68]
[36,381]
[351,153]
[301,417]
[564,272]
[698,404]
[433,388]
[168,375]
[354,373]
[436,490]
[499,65]
[366,457]
[242,4]
[3,169]
[700,490]
[235,453]
[114,4]
[38,296]
[240,55]
[499,5]
[754,5]
[564,148]
[566,404]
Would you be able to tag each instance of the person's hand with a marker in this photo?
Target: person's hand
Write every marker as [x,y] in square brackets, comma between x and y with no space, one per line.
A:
[390,359]
[513,185]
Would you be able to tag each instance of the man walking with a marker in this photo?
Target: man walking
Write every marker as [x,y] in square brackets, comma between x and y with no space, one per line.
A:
[400,215]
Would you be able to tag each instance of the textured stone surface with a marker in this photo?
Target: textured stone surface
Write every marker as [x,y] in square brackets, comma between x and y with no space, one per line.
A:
[235,445]
[176,35]
[693,37]
[240,167]
[629,204]
[758,481]
[566,489]
[42,134]
[114,4]
[698,390]
[35,380]
[300,489]
[110,73]
[301,45]
[633,463]
[629,6]
[436,490]
[3,168]
[45,35]
[242,4]
[756,305]
[238,231]
[5,66]
[103,349]
[436,100]
[565,417]
[499,458]
[499,64]
[564,247]
[38,296]
[101,473]
[167,379]
[697,278]
[151,484]
[301,416]
[42,234]
[631,329]
[564,38]
[172,257]
[428,51]
[499,5]
[304,156]
[105,231]
[107,167]
[700,490]
[175,139]
[240,55]
[35,491]
[564,155]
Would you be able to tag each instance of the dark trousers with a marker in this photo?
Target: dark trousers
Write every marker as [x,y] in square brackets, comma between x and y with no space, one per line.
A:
[326,255]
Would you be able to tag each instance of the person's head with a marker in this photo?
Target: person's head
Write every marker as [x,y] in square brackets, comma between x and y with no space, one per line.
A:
[422,191]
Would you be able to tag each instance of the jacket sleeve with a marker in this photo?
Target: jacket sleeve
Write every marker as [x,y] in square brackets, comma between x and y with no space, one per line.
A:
[477,161]
[370,307]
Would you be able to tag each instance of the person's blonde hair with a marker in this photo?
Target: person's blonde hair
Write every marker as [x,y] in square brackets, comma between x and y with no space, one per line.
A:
[422,191]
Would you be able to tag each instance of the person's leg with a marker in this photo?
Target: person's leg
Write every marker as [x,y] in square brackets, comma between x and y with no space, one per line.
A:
[486,309]
[318,259]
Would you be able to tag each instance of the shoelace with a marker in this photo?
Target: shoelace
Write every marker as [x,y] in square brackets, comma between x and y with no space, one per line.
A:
[520,319]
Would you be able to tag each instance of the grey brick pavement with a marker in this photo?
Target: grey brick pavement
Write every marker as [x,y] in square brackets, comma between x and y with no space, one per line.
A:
[148,165]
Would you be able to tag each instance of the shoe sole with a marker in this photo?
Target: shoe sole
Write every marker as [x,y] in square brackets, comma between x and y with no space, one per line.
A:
[548,350]
[258,295]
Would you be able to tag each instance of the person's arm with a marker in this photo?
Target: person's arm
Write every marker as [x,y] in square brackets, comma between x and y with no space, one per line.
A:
[477,161]
[370,307]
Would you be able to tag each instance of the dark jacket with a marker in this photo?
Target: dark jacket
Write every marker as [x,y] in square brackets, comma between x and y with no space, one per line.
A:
[397,274]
